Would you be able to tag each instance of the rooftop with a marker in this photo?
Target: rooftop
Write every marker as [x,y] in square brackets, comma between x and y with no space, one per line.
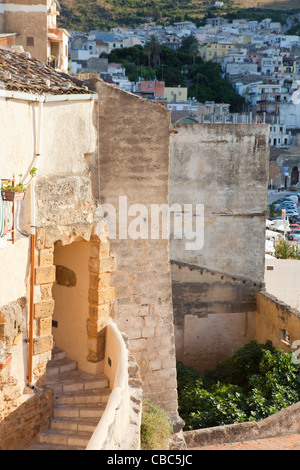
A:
[19,72]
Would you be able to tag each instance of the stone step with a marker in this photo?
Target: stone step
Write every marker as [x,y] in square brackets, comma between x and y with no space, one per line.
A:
[58,354]
[79,401]
[100,395]
[79,411]
[60,366]
[48,446]
[65,437]
[75,424]
[76,380]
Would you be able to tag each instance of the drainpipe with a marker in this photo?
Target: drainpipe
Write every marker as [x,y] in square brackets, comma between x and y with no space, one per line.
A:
[32,252]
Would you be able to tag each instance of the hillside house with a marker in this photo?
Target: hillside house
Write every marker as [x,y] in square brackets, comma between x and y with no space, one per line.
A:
[34,27]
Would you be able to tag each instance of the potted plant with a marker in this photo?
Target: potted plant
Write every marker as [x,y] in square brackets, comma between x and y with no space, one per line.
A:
[12,192]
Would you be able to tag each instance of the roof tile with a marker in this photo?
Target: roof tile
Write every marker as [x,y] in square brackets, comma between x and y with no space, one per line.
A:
[20,72]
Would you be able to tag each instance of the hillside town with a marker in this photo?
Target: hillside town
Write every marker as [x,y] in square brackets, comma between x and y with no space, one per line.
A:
[260,59]
[149,242]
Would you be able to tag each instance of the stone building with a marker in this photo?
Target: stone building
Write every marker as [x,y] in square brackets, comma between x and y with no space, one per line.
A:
[34,26]
[98,299]
[61,290]
[284,167]
[224,168]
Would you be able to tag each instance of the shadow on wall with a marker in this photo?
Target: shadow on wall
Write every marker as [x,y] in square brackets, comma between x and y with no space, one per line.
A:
[214,314]
[20,428]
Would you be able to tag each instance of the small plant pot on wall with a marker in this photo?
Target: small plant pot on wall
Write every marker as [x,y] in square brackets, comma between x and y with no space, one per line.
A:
[12,196]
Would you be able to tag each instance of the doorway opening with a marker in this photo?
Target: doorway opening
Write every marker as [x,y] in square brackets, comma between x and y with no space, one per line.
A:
[70,294]
[295,175]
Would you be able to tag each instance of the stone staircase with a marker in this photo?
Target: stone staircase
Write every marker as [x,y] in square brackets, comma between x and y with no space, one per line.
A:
[79,400]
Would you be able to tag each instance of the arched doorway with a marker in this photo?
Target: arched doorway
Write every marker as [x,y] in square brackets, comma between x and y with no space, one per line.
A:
[73,298]
[295,175]
[83,300]
[70,294]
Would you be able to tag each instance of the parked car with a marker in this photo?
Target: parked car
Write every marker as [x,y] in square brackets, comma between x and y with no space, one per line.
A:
[292,198]
[287,203]
[295,235]
[291,214]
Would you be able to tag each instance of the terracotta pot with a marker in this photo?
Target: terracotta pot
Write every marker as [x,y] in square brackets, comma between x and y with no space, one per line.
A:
[12,196]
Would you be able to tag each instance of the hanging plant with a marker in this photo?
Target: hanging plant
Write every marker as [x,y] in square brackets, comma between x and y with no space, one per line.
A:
[12,192]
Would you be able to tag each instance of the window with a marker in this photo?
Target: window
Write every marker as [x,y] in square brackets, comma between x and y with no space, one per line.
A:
[29,41]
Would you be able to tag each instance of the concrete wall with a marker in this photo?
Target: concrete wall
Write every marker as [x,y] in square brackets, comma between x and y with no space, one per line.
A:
[61,154]
[277,322]
[282,280]
[283,423]
[223,168]
[61,121]
[66,211]
[119,427]
[214,315]
[134,162]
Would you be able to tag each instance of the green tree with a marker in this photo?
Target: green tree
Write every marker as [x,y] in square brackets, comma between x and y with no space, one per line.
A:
[194,52]
[257,381]
[148,51]
[154,45]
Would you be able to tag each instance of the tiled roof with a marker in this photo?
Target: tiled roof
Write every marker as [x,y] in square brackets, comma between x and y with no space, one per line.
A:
[19,72]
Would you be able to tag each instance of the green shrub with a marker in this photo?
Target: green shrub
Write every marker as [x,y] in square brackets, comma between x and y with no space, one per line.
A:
[285,250]
[156,427]
[257,381]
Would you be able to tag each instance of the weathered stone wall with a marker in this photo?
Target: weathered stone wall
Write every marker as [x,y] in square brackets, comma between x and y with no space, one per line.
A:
[283,423]
[277,322]
[214,314]
[21,421]
[134,163]
[224,168]
[66,212]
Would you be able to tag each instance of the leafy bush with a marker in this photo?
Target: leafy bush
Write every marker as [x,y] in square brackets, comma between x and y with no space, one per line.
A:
[156,427]
[285,250]
[257,381]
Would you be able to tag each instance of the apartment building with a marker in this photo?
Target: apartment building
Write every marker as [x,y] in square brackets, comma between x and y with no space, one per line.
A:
[214,50]
[267,98]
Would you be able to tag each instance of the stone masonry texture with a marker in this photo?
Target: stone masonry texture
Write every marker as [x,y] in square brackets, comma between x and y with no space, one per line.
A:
[136,165]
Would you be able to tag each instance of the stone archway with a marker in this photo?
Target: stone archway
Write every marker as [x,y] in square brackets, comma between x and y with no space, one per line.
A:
[99,298]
